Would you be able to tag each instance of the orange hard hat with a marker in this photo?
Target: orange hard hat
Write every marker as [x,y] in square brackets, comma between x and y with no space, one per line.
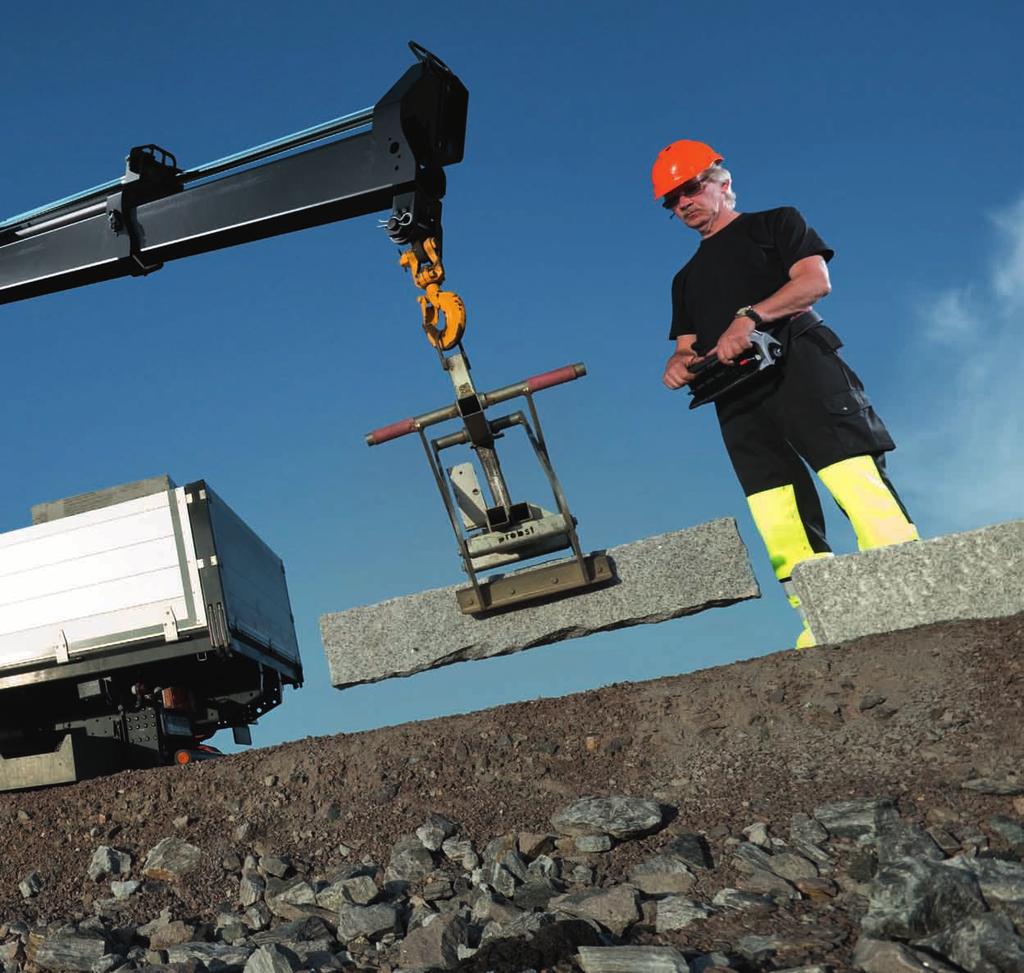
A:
[679,162]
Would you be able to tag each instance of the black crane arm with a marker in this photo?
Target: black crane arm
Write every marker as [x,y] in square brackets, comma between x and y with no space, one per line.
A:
[158,212]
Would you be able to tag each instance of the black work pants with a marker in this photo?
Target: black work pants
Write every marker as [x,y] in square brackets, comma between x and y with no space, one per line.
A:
[811,407]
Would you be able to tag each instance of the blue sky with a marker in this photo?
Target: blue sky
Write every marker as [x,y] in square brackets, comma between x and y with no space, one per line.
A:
[893,127]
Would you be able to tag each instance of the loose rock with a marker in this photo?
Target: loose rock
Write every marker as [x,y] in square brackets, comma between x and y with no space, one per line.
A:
[620,817]
[66,948]
[292,898]
[631,959]
[212,956]
[1011,831]
[916,897]
[882,956]
[590,843]
[171,934]
[172,858]
[250,888]
[865,817]
[982,944]
[435,945]
[107,861]
[1009,785]
[410,861]
[662,875]
[1001,882]
[271,959]
[616,908]
[434,831]
[31,885]
[690,848]
[371,921]
[122,891]
[677,912]
[744,901]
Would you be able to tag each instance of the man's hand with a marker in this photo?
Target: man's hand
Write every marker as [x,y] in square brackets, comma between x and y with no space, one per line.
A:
[734,340]
[677,371]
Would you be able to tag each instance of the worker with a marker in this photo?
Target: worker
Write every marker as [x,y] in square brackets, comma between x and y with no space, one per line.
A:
[765,271]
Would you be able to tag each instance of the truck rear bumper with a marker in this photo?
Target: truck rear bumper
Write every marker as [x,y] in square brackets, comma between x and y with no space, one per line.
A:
[75,758]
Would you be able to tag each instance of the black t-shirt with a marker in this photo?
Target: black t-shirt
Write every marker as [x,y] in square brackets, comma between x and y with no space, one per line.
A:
[741,264]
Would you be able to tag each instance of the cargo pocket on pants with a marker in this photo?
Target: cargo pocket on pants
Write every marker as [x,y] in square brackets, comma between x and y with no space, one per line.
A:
[856,424]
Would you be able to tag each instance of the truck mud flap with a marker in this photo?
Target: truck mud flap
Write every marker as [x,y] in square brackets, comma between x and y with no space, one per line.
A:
[76,758]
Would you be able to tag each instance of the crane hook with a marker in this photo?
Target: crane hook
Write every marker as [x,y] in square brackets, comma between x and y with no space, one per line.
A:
[444,314]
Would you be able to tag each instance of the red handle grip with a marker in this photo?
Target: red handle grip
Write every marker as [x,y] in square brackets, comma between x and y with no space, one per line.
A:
[393,431]
[556,376]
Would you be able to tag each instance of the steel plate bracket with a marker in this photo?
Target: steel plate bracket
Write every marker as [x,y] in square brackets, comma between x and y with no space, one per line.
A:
[544,581]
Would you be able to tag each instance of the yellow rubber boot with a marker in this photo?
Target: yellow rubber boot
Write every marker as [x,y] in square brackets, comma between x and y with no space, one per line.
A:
[877,517]
[806,639]
[777,518]
[778,521]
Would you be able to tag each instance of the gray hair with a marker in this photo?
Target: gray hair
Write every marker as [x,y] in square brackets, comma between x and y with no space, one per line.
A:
[718,173]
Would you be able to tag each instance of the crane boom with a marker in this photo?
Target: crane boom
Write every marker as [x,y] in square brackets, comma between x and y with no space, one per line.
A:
[158,212]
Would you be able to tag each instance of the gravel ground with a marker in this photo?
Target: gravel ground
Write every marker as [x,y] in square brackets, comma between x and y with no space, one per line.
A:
[912,715]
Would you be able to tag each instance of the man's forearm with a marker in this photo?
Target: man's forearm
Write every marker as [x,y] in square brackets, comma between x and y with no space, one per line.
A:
[795,295]
[684,345]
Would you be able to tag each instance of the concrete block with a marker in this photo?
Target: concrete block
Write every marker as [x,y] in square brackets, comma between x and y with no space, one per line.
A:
[977,574]
[660,578]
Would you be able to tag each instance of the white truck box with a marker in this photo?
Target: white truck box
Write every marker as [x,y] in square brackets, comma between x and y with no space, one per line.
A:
[129,574]
[145,585]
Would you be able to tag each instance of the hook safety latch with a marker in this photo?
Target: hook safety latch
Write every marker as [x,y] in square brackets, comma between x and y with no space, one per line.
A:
[444,314]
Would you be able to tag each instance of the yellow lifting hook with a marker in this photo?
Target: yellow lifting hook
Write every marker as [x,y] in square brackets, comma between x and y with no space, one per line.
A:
[436,302]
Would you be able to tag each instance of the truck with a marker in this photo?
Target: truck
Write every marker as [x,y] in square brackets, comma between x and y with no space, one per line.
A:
[136,622]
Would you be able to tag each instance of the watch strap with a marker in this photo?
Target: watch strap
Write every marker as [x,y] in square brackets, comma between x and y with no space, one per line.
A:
[749,312]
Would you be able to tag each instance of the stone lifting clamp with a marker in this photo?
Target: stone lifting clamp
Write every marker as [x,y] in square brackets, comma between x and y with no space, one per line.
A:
[502,532]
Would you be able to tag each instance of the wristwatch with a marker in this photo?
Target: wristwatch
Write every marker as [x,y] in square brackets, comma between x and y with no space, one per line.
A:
[749,312]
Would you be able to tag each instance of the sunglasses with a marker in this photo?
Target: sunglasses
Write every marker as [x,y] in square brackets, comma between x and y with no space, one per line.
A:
[689,189]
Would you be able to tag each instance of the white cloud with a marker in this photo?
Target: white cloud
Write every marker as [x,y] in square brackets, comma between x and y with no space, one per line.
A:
[1008,273]
[962,465]
[951,320]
